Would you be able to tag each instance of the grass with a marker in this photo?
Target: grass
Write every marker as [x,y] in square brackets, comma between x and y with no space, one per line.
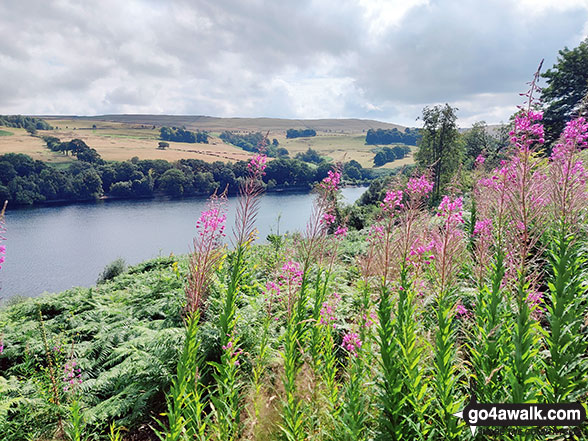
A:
[119,142]
[5,133]
[23,142]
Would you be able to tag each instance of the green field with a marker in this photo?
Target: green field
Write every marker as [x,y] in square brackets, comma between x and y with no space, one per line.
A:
[5,133]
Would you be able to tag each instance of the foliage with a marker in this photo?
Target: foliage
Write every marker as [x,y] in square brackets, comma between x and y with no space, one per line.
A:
[77,147]
[182,135]
[24,181]
[392,136]
[250,142]
[125,333]
[387,154]
[439,147]
[481,144]
[112,270]
[310,155]
[566,91]
[300,133]
[24,122]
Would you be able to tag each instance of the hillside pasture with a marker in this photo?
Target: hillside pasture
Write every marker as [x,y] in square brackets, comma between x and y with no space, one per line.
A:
[123,139]
[22,142]
[340,147]
[120,142]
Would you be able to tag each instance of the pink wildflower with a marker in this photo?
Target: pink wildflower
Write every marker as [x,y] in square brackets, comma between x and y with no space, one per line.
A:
[331,182]
[233,353]
[328,219]
[419,186]
[461,310]
[352,343]
[291,273]
[527,130]
[568,174]
[207,252]
[534,298]
[483,228]
[392,200]
[480,159]
[451,209]
[376,231]
[212,222]
[327,313]
[257,165]
[72,376]
[370,319]
[341,232]
[289,282]
[448,242]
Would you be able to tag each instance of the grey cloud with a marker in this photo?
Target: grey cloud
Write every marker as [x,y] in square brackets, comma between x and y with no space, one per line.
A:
[272,58]
[451,49]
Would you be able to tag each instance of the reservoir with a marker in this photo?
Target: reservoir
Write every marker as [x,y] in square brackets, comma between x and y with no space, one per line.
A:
[53,248]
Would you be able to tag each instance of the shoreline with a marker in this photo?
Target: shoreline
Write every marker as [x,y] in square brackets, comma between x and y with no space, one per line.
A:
[158,198]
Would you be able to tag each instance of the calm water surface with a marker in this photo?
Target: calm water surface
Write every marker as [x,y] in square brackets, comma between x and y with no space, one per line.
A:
[55,248]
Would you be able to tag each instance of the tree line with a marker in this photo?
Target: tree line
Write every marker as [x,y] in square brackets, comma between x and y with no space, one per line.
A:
[300,133]
[392,136]
[24,122]
[24,181]
[77,147]
[183,135]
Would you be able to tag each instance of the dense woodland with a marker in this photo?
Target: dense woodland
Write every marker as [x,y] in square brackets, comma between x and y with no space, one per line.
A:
[24,181]
[24,122]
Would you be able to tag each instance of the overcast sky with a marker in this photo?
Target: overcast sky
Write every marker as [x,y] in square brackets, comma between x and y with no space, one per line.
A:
[377,59]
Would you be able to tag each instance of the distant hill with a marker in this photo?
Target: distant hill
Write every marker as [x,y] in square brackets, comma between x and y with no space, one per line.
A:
[196,122]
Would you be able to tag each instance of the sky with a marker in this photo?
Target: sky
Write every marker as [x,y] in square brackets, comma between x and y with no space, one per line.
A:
[373,59]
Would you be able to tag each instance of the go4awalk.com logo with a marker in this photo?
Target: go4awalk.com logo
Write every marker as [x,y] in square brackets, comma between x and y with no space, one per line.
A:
[537,414]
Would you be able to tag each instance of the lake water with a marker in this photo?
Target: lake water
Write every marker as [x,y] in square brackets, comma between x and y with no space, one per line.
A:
[54,248]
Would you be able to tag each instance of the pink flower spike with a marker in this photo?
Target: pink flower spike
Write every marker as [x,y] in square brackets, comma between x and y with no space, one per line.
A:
[331,182]
[419,186]
[341,232]
[257,165]
[352,343]
[392,200]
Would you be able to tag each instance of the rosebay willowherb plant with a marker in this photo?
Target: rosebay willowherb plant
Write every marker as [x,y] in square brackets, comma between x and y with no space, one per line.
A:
[226,400]
[404,249]
[448,252]
[187,397]
[566,369]
[526,202]
[312,248]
